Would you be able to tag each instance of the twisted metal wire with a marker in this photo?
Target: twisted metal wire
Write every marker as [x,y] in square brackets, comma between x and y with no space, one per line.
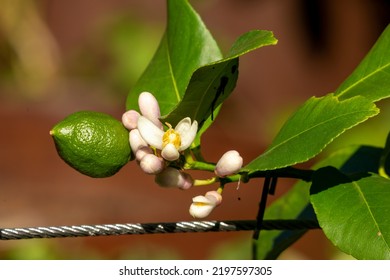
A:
[152,228]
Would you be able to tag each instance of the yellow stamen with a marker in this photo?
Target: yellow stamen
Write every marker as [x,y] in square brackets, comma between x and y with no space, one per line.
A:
[171,137]
[200,203]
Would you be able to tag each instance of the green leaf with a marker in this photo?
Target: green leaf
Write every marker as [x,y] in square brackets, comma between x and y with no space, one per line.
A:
[195,147]
[384,164]
[371,78]
[353,213]
[210,85]
[185,46]
[295,204]
[250,41]
[311,128]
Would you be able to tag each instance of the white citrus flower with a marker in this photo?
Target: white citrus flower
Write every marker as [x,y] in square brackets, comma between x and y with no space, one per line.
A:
[202,206]
[170,142]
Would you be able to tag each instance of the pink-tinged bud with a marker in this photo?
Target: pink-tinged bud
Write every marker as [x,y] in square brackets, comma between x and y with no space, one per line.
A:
[149,108]
[171,177]
[130,119]
[202,206]
[136,140]
[152,164]
[230,163]
[138,145]
[142,152]
[214,195]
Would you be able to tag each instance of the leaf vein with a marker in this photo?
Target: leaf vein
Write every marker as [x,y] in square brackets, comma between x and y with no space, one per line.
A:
[313,127]
[172,74]
[361,194]
[379,69]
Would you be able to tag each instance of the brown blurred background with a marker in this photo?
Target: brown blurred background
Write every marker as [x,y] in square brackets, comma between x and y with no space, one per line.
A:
[58,57]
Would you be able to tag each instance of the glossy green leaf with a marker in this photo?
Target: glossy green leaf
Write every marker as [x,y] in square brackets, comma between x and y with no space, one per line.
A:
[353,213]
[295,204]
[371,78]
[195,147]
[186,45]
[311,128]
[210,85]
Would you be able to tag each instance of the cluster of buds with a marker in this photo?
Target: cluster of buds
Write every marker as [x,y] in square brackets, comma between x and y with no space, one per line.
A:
[155,149]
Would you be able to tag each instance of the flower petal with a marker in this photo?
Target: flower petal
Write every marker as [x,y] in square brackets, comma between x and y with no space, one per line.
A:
[150,132]
[215,197]
[136,140]
[187,132]
[200,207]
[201,199]
[183,126]
[170,153]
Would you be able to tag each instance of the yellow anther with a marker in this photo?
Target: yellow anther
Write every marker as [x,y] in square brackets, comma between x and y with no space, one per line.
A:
[200,203]
[171,137]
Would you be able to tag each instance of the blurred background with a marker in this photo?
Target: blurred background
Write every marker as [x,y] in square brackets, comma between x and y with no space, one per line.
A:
[58,57]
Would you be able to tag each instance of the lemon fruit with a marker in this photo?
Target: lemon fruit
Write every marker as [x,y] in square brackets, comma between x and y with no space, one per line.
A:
[93,143]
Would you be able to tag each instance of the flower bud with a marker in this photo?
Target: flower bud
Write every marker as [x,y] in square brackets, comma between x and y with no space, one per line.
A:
[152,164]
[136,140]
[214,195]
[130,119]
[138,145]
[149,108]
[230,163]
[142,152]
[171,177]
[202,206]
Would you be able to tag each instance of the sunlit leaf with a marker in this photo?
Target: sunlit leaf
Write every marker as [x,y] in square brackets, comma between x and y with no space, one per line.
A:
[210,85]
[186,45]
[371,78]
[311,128]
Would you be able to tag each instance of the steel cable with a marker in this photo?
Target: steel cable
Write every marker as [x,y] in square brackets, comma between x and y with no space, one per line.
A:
[152,228]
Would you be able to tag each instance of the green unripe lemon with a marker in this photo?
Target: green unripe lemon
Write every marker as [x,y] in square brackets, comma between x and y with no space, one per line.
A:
[93,143]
